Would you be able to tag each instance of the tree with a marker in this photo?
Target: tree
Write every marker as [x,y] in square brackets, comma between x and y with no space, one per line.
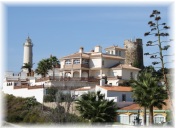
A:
[54,63]
[159,30]
[147,92]
[93,107]
[47,64]
[27,66]
[43,66]
[51,94]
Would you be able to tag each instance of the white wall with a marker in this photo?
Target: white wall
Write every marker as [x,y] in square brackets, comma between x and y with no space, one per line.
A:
[94,63]
[126,74]
[25,92]
[122,53]
[113,82]
[110,62]
[119,95]
[115,72]
[62,63]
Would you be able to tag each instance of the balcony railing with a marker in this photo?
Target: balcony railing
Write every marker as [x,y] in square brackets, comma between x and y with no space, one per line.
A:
[76,66]
[114,77]
[42,79]
[87,79]
[28,87]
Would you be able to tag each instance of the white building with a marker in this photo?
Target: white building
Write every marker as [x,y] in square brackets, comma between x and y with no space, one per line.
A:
[76,70]
[96,64]
[120,94]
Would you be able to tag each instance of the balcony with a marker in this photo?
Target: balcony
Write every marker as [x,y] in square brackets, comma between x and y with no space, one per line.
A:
[114,77]
[76,66]
[42,79]
[86,79]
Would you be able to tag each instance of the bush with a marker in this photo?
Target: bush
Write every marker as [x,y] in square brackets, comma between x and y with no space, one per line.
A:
[28,110]
[49,98]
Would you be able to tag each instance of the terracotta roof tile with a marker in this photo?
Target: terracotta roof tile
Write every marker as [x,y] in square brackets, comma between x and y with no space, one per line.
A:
[126,66]
[76,55]
[117,88]
[137,106]
[115,47]
[112,56]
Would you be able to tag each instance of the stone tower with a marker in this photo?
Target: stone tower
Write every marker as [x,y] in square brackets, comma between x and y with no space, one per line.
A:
[134,52]
[28,55]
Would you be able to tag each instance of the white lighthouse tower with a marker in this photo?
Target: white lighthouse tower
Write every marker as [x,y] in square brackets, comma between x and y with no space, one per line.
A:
[28,55]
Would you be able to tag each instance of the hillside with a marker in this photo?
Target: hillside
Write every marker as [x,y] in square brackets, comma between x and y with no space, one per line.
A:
[28,110]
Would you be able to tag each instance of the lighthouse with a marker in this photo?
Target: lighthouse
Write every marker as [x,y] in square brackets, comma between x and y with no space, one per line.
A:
[28,55]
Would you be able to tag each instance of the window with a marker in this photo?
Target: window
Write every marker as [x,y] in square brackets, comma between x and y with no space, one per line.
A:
[46,91]
[102,62]
[158,119]
[119,53]
[131,75]
[116,52]
[76,61]
[123,119]
[123,97]
[85,61]
[67,61]
[132,119]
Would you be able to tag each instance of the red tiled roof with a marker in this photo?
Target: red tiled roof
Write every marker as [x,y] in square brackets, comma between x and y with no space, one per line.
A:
[115,47]
[76,55]
[137,106]
[112,56]
[117,88]
[125,66]
[92,55]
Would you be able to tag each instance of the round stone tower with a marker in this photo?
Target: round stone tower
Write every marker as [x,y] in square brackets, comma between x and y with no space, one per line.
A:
[134,53]
[28,55]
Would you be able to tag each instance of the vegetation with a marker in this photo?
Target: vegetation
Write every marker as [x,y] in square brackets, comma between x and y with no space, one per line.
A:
[43,67]
[95,109]
[169,116]
[46,64]
[28,110]
[159,30]
[147,91]
[50,94]
[54,63]
[27,66]
[23,110]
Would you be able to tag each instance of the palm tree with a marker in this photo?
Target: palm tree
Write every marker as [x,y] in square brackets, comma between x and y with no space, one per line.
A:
[93,107]
[43,67]
[147,93]
[28,66]
[54,62]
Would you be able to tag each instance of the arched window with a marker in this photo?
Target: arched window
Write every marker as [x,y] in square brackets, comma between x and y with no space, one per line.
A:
[76,61]
[68,61]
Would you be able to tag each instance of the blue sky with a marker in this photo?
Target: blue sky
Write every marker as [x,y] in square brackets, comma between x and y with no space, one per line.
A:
[62,29]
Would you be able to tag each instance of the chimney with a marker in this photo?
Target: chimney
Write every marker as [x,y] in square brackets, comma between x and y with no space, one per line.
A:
[81,50]
[102,82]
[98,49]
